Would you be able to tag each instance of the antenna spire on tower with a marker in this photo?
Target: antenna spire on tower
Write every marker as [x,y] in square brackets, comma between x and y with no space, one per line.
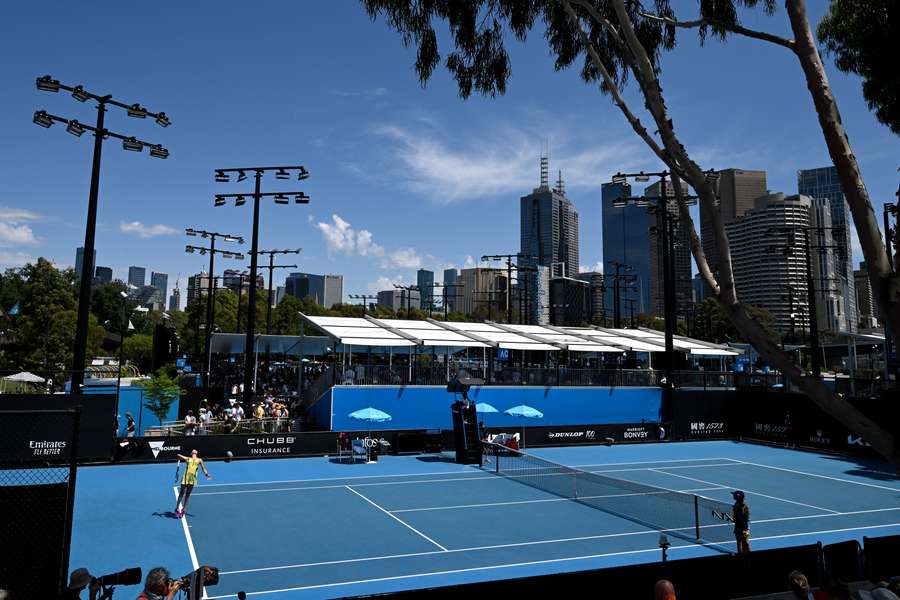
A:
[560,185]
[545,165]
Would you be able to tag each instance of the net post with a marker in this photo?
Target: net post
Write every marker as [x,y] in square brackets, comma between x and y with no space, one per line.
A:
[696,516]
[496,460]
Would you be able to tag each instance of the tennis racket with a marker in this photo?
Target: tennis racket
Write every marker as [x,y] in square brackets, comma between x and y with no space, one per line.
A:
[177,469]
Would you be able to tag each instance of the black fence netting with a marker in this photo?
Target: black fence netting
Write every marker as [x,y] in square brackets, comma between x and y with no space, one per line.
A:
[38,451]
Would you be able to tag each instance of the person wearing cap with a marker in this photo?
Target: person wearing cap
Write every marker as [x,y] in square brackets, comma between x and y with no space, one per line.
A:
[740,515]
[78,580]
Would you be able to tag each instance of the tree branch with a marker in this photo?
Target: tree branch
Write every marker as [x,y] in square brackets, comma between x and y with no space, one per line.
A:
[614,89]
[735,28]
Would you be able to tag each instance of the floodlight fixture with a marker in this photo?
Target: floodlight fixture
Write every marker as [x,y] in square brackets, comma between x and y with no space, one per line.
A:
[240,201]
[137,111]
[233,238]
[222,177]
[238,255]
[42,118]
[157,151]
[133,144]
[162,119]
[79,94]
[619,178]
[75,128]
[301,198]
[281,199]
[302,174]
[241,176]
[220,201]
[191,232]
[282,174]
[189,249]
[202,251]
[47,84]
[642,177]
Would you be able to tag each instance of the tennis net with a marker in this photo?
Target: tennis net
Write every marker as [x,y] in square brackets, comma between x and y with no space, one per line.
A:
[681,514]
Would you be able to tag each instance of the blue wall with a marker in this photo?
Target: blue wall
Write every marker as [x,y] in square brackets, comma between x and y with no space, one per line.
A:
[131,399]
[423,407]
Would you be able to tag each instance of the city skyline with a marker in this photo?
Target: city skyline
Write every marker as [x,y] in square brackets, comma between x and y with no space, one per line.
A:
[425,156]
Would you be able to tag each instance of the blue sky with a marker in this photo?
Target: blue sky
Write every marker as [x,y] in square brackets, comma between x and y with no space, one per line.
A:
[402,176]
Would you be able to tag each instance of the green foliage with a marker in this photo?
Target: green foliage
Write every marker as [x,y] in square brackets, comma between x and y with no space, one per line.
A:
[138,349]
[161,391]
[106,305]
[862,37]
[480,29]
[711,324]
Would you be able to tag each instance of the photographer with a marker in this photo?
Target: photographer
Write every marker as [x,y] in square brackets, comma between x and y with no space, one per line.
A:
[79,579]
[159,586]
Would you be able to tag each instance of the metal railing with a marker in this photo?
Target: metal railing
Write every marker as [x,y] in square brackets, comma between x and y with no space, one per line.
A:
[219,427]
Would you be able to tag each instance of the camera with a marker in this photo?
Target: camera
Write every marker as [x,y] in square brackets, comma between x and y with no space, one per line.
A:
[127,577]
[193,583]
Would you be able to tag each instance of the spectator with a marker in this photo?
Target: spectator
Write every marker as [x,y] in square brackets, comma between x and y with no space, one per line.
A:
[799,586]
[205,417]
[664,590]
[79,579]
[190,423]
[157,586]
[129,426]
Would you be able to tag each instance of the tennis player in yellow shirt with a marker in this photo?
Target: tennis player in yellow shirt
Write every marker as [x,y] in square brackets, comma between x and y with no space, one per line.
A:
[193,463]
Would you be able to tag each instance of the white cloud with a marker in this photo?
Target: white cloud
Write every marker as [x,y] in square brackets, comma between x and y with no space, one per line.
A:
[14,228]
[16,234]
[405,258]
[371,93]
[505,161]
[341,237]
[469,262]
[17,215]
[596,268]
[15,259]
[146,231]
[384,283]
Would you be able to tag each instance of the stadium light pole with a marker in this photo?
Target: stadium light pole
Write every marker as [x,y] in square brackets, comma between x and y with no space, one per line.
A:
[46,120]
[271,267]
[281,173]
[363,297]
[210,310]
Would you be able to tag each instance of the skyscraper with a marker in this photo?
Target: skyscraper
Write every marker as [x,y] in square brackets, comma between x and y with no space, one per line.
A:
[79,262]
[865,300]
[481,286]
[626,240]
[175,299]
[102,275]
[738,189]
[771,275]
[326,290]
[682,258]
[450,277]
[197,286]
[161,282]
[399,300]
[425,281]
[597,290]
[548,230]
[825,184]
[137,276]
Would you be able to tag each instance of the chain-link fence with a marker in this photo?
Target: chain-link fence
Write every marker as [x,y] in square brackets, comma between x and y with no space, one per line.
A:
[38,453]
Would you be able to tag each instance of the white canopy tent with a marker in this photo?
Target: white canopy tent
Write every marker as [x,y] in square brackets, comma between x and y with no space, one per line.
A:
[388,333]
[25,377]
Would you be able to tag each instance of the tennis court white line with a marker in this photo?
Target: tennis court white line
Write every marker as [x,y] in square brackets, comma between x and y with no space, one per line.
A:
[396,518]
[749,492]
[573,539]
[429,508]
[190,541]
[650,462]
[529,563]
[872,485]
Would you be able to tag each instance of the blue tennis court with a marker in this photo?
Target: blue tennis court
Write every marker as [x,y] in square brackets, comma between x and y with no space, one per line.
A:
[309,528]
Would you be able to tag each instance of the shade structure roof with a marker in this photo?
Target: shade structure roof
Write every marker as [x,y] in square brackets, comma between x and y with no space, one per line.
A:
[372,332]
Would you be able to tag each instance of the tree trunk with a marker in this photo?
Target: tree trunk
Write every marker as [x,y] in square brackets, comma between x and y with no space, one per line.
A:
[885,281]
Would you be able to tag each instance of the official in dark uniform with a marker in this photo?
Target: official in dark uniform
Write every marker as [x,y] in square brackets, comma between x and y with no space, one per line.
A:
[740,515]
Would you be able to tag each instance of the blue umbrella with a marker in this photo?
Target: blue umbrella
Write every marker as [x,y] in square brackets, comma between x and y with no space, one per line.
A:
[484,407]
[525,412]
[370,414]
